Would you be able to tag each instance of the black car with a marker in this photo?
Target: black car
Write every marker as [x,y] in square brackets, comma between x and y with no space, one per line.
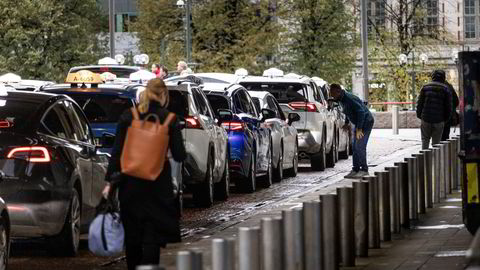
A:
[52,176]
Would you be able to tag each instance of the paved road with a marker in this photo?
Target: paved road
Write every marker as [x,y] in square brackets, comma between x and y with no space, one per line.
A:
[200,224]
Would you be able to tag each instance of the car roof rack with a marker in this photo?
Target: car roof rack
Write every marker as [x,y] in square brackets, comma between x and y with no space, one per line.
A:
[191,79]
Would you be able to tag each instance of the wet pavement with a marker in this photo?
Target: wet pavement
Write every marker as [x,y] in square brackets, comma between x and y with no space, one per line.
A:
[198,224]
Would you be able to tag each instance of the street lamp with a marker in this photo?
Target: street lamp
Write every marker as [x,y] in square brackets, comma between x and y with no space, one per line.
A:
[188,32]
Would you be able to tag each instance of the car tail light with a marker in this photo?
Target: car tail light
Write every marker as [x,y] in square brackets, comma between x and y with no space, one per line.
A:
[192,122]
[32,154]
[234,126]
[304,106]
[5,124]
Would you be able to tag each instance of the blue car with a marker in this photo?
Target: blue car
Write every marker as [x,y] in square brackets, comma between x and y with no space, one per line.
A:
[249,140]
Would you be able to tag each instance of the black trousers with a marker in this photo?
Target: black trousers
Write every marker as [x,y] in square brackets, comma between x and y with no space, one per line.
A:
[146,254]
[446,131]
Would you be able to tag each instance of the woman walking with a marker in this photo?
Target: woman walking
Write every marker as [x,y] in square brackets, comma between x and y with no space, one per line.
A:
[148,209]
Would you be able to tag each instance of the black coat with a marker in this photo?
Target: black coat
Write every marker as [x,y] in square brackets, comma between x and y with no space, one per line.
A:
[149,210]
[434,103]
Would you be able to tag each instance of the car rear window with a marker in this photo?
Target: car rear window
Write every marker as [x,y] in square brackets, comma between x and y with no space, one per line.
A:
[283,92]
[119,71]
[256,101]
[218,102]
[178,102]
[101,108]
[15,114]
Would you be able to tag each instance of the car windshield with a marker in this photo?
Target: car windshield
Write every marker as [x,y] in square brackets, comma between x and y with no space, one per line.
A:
[121,72]
[101,108]
[282,91]
[14,114]
[256,101]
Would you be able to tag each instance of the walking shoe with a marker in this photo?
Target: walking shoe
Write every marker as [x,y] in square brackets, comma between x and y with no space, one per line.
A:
[351,174]
[360,174]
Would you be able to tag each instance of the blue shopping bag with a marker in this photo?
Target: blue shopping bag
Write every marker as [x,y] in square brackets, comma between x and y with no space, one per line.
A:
[106,235]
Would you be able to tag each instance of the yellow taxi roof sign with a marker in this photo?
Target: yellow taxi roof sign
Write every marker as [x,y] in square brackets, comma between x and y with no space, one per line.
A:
[84,76]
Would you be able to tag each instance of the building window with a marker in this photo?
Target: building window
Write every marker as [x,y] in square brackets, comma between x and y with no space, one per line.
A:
[123,21]
[376,15]
[469,20]
[432,16]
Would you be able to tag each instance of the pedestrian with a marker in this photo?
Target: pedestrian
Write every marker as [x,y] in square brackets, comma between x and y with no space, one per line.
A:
[148,209]
[434,108]
[181,66]
[163,74]
[156,69]
[453,121]
[360,116]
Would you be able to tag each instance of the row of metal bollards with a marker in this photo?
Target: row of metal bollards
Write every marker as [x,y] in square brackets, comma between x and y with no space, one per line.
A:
[332,231]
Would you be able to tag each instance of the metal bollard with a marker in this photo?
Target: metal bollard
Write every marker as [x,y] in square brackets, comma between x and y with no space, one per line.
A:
[346,225]
[223,254]
[248,248]
[373,212]
[197,260]
[459,164]
[446,168]
[436,173]
[428,156]
[442,171]
[420,183]
[360,198]
[403,193]
[185,260]
[412,186]
[393,173]
[395,109]
[312,213]
[272,244]
[329,231]
[453,163]
[384,205]
[150,267]
[293,238]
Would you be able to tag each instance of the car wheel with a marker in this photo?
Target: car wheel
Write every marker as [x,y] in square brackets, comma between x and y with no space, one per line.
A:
[318,161]
[249,183]
[278,174]
[204,194]
[292,172]
[330,162]
[344,154]
[4,244]
[337,144]
[267,179]
[222,189]
[67,242]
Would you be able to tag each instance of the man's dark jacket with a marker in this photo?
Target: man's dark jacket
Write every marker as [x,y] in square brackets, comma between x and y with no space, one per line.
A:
[434,103]
[356,111]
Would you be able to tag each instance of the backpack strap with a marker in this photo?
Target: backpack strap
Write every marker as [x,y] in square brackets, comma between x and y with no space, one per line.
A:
[170,118]
[135,114]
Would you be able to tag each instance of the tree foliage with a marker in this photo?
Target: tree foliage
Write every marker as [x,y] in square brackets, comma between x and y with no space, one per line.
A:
[320,38]
[42,39]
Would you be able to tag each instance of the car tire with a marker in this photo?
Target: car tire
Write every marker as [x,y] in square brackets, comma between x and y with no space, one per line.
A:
[344,154]
[222,189]
[67,242]
[203,195]
[249,183]
[337,144]
[4,243]
[330,162]
[278,173]
[292,172]
[268,178]
[318,161]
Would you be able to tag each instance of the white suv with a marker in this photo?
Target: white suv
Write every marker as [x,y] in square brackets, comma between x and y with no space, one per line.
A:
[299,94]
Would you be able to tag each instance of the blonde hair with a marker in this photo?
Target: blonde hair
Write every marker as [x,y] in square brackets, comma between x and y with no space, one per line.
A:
[156,91]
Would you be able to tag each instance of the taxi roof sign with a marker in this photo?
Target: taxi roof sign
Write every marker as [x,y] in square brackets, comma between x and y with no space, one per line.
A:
[84,76]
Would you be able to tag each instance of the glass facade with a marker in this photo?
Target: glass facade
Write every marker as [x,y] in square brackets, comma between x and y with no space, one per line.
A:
[470,18]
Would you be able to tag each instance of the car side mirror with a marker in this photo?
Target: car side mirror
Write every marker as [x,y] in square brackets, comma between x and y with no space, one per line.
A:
[293,117]
[107,140]
[224,115]
[268,114]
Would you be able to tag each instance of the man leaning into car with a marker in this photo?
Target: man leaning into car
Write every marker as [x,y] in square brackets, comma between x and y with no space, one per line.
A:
[358,114]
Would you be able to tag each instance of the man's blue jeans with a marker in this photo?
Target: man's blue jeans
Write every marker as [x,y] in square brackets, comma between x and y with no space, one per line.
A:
[360,149]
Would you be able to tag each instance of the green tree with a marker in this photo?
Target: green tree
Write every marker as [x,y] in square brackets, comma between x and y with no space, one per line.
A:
[229,34]
[320,38]
[42,39]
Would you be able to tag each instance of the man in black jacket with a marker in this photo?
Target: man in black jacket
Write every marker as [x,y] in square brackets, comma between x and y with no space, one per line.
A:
[434,107]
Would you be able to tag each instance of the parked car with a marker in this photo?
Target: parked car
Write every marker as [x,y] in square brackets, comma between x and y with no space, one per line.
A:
[121,72]
[299,94]
[250,153]
[206,172]
[52,175]
[283,135]
[4,233]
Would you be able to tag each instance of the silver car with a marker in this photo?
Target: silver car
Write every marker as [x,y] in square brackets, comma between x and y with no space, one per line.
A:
[299,94]
[206,172]
[283,135]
